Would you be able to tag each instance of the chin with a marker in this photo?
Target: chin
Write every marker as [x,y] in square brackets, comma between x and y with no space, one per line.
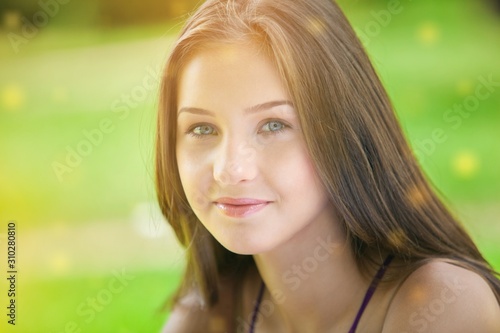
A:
[246,247]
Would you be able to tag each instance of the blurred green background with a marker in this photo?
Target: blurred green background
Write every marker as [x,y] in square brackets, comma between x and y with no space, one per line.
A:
[78,96]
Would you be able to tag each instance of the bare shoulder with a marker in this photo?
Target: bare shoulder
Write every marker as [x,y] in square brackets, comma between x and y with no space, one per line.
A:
[442,297]
[187,316]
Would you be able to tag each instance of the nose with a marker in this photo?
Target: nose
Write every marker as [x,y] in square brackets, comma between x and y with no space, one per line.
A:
[236,162]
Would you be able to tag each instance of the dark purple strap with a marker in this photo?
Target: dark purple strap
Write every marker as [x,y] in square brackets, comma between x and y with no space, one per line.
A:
[256,308]
[371,291]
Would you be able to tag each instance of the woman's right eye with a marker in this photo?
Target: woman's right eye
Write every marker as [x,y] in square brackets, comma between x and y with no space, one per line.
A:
[202,130]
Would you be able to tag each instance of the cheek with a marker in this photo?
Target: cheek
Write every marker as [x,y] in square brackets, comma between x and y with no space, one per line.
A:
[196,177]
[292,168]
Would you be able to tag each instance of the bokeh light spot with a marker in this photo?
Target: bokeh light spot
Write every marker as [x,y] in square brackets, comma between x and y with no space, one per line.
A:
[60,263]
[12,20]
[315,26]
[466,164]
[416,196]
[465,87]
[12,97]
[428,33]
[397,238]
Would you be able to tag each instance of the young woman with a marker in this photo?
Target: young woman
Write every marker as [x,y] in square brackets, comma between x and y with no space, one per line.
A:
[283,171]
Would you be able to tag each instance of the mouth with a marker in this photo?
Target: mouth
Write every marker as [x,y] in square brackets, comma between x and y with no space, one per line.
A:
[240,208]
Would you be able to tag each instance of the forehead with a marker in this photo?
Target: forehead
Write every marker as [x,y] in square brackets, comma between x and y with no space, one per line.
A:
[241,74]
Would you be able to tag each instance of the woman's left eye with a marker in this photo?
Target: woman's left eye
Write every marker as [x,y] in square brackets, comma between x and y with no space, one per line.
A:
[273,126]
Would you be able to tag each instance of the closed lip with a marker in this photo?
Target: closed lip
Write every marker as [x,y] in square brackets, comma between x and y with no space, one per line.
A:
[240,207]
[240,201]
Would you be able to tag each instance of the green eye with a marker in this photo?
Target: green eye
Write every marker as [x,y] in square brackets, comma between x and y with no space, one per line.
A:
[273,126]
[203,130]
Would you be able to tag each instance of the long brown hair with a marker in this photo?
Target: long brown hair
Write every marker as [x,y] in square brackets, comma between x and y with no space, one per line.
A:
[369,171]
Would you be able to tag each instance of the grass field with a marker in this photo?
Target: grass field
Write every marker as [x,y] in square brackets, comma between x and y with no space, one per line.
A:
[65,87]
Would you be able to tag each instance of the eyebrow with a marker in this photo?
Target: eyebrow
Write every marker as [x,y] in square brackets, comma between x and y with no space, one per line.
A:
[252,109]
[267,105]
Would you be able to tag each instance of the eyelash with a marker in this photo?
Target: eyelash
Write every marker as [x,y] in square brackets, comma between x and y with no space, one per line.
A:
[285,126]
[197,136]
[190,131]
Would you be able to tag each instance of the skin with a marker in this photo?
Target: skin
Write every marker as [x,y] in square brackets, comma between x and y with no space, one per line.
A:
[242,157]
[301,251]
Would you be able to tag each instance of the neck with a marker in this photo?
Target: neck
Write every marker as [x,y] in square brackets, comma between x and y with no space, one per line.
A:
[312,280]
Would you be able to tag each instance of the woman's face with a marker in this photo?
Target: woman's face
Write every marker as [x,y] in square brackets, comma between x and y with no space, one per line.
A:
[242,159]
